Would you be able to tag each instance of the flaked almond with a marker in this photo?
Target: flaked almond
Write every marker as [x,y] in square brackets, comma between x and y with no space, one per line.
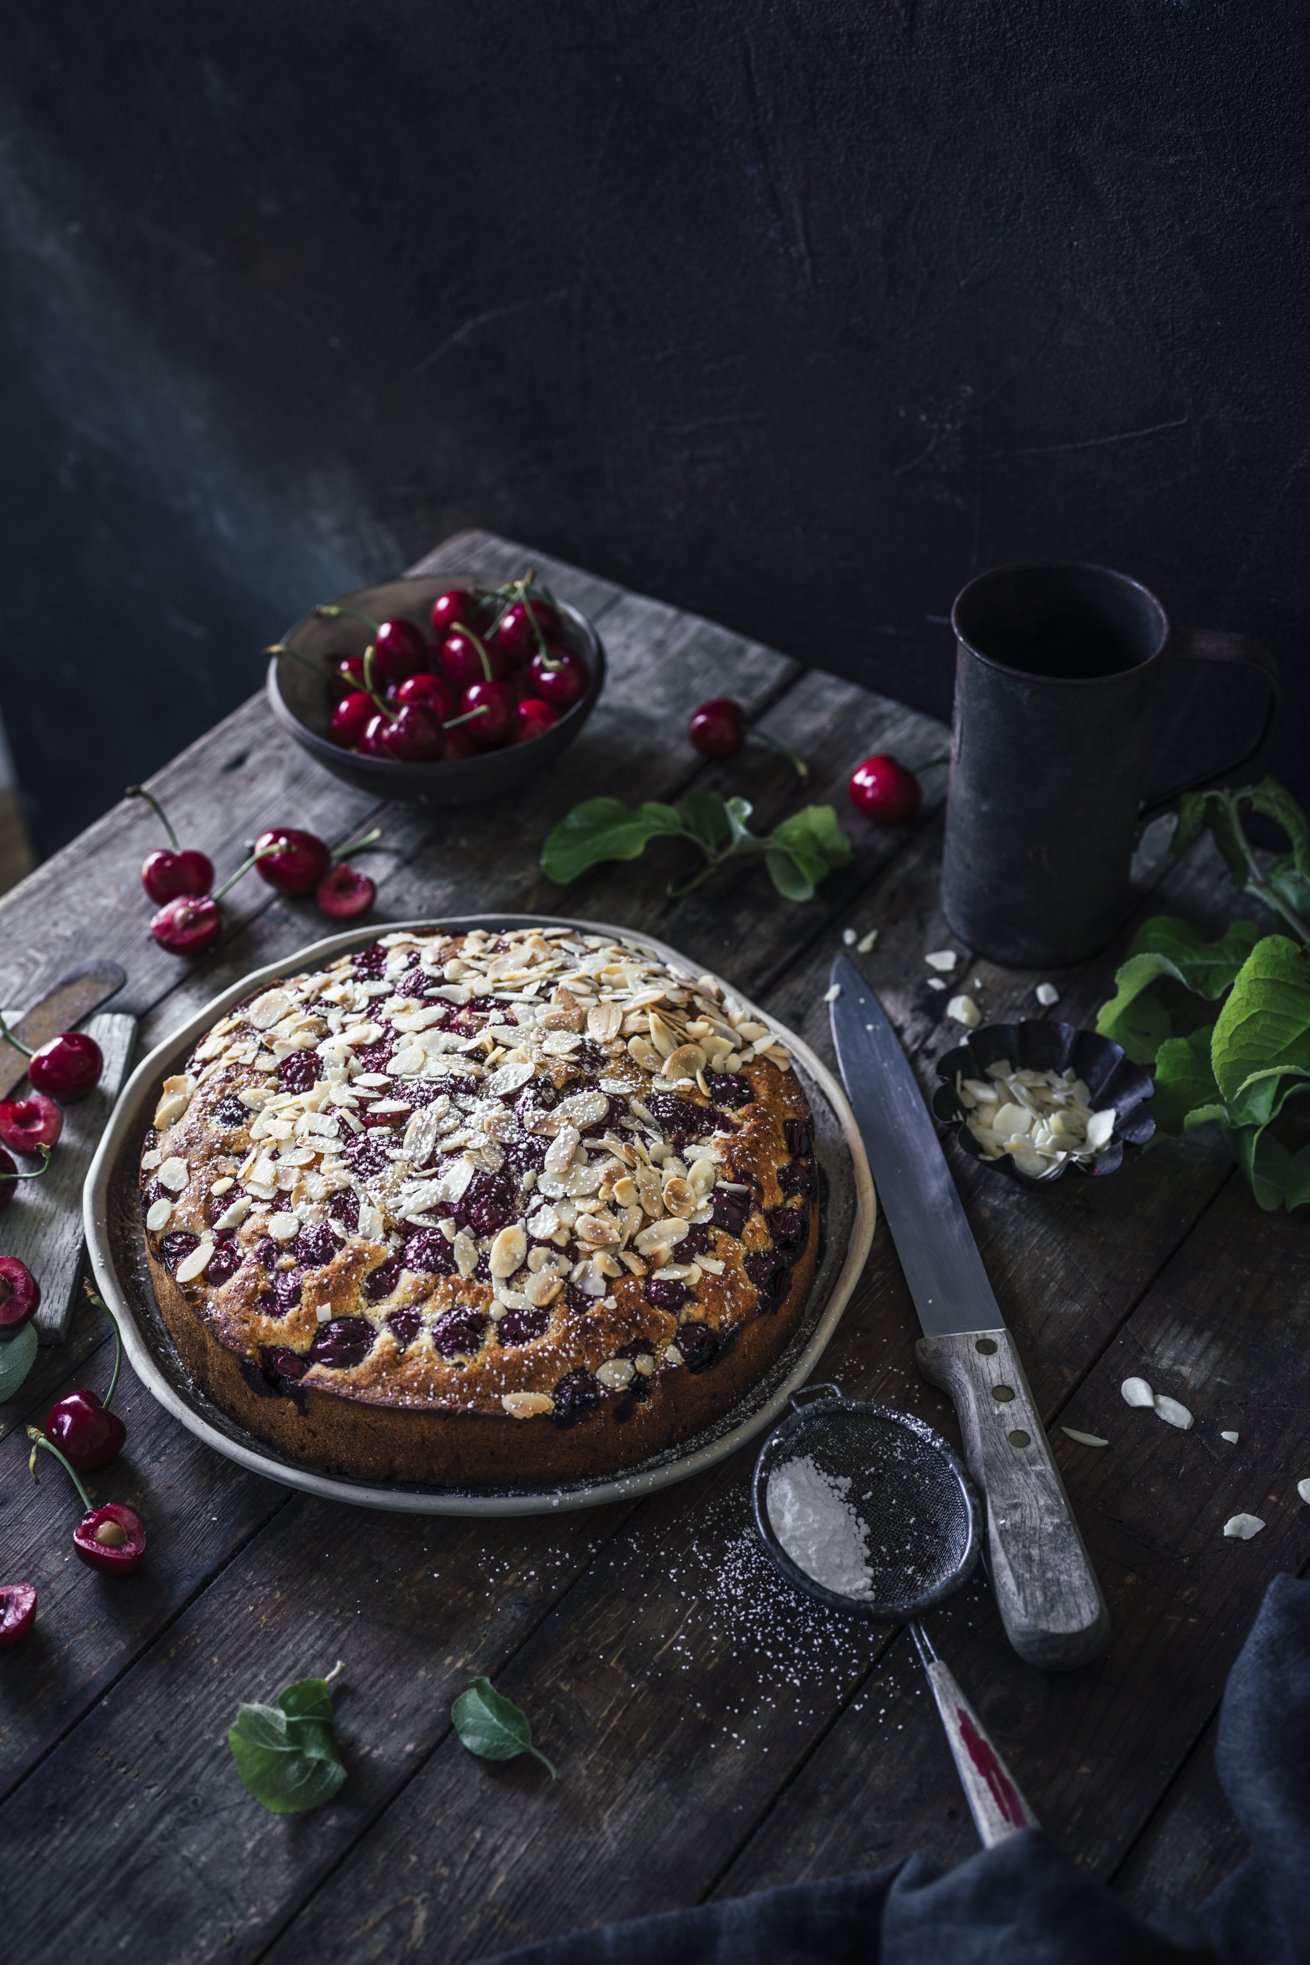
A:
[284,1227]
[158,1215]
[1172,1413]
[615,1373]
[543,1223]
[542,1288]
[268,1009]
[604,1021]
[963,1009]
[508,1250]
[1238,1528]
[232,1217]
[173,1174]
[596,1230]
[1136,1392]
[660,1235]
[174,1100]
[680,1197]
[197,1262]
[685,1062]
[1083,1439]
[527,1405]
[560,1152]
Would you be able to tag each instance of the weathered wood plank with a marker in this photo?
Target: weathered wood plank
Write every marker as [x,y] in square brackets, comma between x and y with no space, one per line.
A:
[1190,1843]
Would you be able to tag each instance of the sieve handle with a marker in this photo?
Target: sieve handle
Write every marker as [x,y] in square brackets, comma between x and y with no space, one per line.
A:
[1042,1577]
[998,1808]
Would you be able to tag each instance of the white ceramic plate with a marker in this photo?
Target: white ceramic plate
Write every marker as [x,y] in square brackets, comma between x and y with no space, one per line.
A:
[112,1213]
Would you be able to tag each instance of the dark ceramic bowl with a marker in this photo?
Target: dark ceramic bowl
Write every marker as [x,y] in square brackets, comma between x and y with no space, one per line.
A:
[1043,1045]
[300,701]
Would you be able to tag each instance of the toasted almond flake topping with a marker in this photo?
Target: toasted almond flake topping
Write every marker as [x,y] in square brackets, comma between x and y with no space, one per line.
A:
[284,1227]
[615,1373]
[268,1009]
[176,1097]
[1241,1528]
[197,1262]
[173,1175]
[508,1250]
[158,1215]
[1083,1439]
[526,1405]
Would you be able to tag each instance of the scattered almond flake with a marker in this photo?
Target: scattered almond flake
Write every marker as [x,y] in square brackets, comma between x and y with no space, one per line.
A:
[831,994]
[1046,994]
[1303,1489]
[197,1262]
[1083,1439]
[1100,1127]
[1241,1528]
[1136,1392]
[1172,1413]
[963,1009]
[1230,1437]
[848,937]
[864,946]
[934,982]
[943,959]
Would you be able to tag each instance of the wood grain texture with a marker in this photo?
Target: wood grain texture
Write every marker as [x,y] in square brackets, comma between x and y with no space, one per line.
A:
[711,1736]
[1046,1589]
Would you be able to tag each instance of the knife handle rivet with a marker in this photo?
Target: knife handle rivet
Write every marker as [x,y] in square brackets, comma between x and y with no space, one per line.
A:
[1003,1392]
[1019,1438]
[986,1345]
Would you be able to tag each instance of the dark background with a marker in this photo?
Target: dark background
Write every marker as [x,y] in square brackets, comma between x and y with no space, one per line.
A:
[796,314]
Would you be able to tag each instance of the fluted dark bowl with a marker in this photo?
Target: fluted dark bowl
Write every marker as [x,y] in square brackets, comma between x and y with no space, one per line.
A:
[1042,1044]
[301,703]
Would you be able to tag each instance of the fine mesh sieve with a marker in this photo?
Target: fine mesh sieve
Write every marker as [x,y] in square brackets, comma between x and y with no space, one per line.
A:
[914,1542]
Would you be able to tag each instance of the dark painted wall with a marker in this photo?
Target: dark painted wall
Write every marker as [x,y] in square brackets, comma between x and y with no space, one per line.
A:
[795,313]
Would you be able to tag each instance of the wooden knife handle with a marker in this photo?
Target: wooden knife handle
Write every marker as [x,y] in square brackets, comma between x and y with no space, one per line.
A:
[1046,1588]
[62,1008]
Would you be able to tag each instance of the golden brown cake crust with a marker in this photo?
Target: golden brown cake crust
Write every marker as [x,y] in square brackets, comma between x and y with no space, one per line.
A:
[492,1210]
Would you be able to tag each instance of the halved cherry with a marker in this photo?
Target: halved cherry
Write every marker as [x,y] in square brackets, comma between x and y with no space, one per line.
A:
[17,1611]
[28,1124]
[20,1295]
[110,1537]
[343,893]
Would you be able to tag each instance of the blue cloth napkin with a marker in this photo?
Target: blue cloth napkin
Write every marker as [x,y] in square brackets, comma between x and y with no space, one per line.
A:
[1026,1903]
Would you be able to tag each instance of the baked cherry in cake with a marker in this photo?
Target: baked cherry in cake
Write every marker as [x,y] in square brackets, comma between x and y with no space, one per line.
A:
[501,1209]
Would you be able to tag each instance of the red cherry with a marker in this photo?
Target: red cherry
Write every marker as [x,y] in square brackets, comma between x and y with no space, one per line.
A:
[458,744]
[532,718]
[414,736]
[495,706]
[292,861]
[20,1295]
[189,925]
[462,659]
[346,724]
[347,675]
[371,742]
[111,1537]
[457,607]
[399,648]
[429,692]
[717,729]
[343,893]
[69,1066]
[86,1432]
[17,1611]
[166,874]
[885,790]
[559,676]
[28,1124]
[516,636]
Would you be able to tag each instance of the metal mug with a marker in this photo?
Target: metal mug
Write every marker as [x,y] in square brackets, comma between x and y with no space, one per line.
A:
[1056,669]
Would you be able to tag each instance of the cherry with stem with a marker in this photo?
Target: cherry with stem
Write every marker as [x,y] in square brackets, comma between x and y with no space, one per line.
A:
[111,1537]
[66,1068]
[81,1422]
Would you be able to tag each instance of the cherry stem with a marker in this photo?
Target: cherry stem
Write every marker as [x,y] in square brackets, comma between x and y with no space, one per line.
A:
[336,1669]
[370,682]
[357,845]
[38,1438]
[100,1304]
[30,1173]
[797,762]
[285,648]
[331,613]
[244,867]
[139,791]
[468,717]
[17,1042]
[481,647]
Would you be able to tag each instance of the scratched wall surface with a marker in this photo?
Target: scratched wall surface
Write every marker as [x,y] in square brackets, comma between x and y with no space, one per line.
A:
[794,311]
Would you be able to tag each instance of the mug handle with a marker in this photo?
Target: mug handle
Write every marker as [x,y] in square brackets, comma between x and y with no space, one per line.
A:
[1214,645]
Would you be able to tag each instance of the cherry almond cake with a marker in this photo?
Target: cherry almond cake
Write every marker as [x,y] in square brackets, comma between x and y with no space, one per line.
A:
[498,1209]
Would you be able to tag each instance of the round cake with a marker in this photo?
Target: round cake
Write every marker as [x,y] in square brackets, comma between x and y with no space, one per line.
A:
[499,1209]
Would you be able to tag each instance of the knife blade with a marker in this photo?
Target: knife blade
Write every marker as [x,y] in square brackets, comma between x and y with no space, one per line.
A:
[61,1008]
[1045,1586]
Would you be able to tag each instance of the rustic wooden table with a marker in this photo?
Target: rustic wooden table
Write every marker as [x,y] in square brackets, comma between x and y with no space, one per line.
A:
[712,1738]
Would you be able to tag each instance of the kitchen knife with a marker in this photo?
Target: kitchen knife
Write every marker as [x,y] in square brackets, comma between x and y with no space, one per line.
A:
[1049,1598]
[62,1008]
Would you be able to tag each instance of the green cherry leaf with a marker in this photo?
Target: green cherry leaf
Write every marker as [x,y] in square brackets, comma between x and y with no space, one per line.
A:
[17,1356]
[604,829]
[287,1754]
[492,1726]
[1265,1023]
[705,815]
[1185,1091]
[1166,948]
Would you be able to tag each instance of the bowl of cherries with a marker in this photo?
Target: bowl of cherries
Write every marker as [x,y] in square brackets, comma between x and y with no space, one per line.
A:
[436,688]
